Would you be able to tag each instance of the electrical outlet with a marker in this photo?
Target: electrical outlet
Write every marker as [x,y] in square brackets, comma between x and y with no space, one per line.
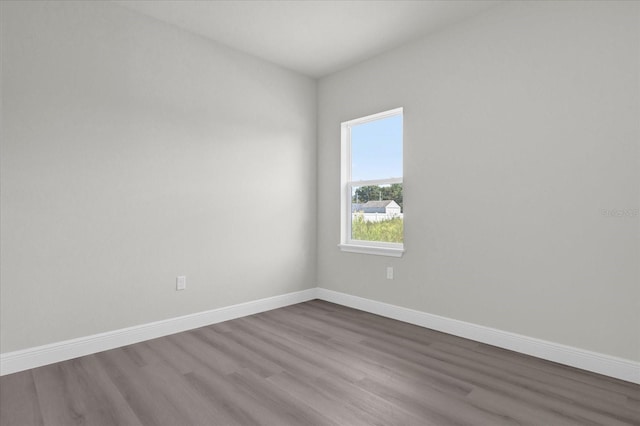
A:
[389,272]
[181,282]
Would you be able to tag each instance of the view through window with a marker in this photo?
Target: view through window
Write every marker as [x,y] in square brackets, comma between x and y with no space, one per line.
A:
[372,183]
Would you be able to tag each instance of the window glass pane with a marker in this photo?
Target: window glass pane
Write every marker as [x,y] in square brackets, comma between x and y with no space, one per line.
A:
[376,213]
[376,149]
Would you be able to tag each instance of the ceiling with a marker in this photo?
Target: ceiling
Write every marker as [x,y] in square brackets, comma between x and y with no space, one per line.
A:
[314,38]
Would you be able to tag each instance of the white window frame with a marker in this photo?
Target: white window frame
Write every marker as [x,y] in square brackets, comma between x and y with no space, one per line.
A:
[346,186]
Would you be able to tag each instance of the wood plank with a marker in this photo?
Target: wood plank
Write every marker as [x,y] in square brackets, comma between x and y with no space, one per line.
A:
[288,410]
[79,392]
[503,384]
[314,363]
[19,400]
[157,393]
[333,405]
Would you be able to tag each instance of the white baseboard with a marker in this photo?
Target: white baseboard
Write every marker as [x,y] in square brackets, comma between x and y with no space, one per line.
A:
[12,362]
[607,365]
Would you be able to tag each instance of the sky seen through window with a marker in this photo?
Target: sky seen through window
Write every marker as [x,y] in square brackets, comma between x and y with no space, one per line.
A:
[376,149]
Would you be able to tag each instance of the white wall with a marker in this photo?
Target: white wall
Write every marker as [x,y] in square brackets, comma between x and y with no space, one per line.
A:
[133,152]
[521,125]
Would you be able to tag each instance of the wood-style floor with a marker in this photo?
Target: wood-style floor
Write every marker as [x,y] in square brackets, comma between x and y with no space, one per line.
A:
[315,363]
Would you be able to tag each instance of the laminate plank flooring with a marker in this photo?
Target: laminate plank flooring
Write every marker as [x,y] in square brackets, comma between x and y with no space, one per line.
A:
[315,363]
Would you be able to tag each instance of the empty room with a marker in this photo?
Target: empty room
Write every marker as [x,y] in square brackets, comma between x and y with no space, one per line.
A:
[319,212]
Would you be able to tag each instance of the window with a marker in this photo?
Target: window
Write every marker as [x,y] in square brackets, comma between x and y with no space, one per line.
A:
[371,183]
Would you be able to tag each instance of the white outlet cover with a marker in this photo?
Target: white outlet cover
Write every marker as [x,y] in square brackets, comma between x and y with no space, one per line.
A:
[181,282]
[389,272]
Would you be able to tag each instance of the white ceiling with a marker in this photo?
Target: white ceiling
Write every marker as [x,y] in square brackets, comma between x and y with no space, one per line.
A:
[312,37]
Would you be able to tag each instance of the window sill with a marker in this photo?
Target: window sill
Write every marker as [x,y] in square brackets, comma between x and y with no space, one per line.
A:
[379,251]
